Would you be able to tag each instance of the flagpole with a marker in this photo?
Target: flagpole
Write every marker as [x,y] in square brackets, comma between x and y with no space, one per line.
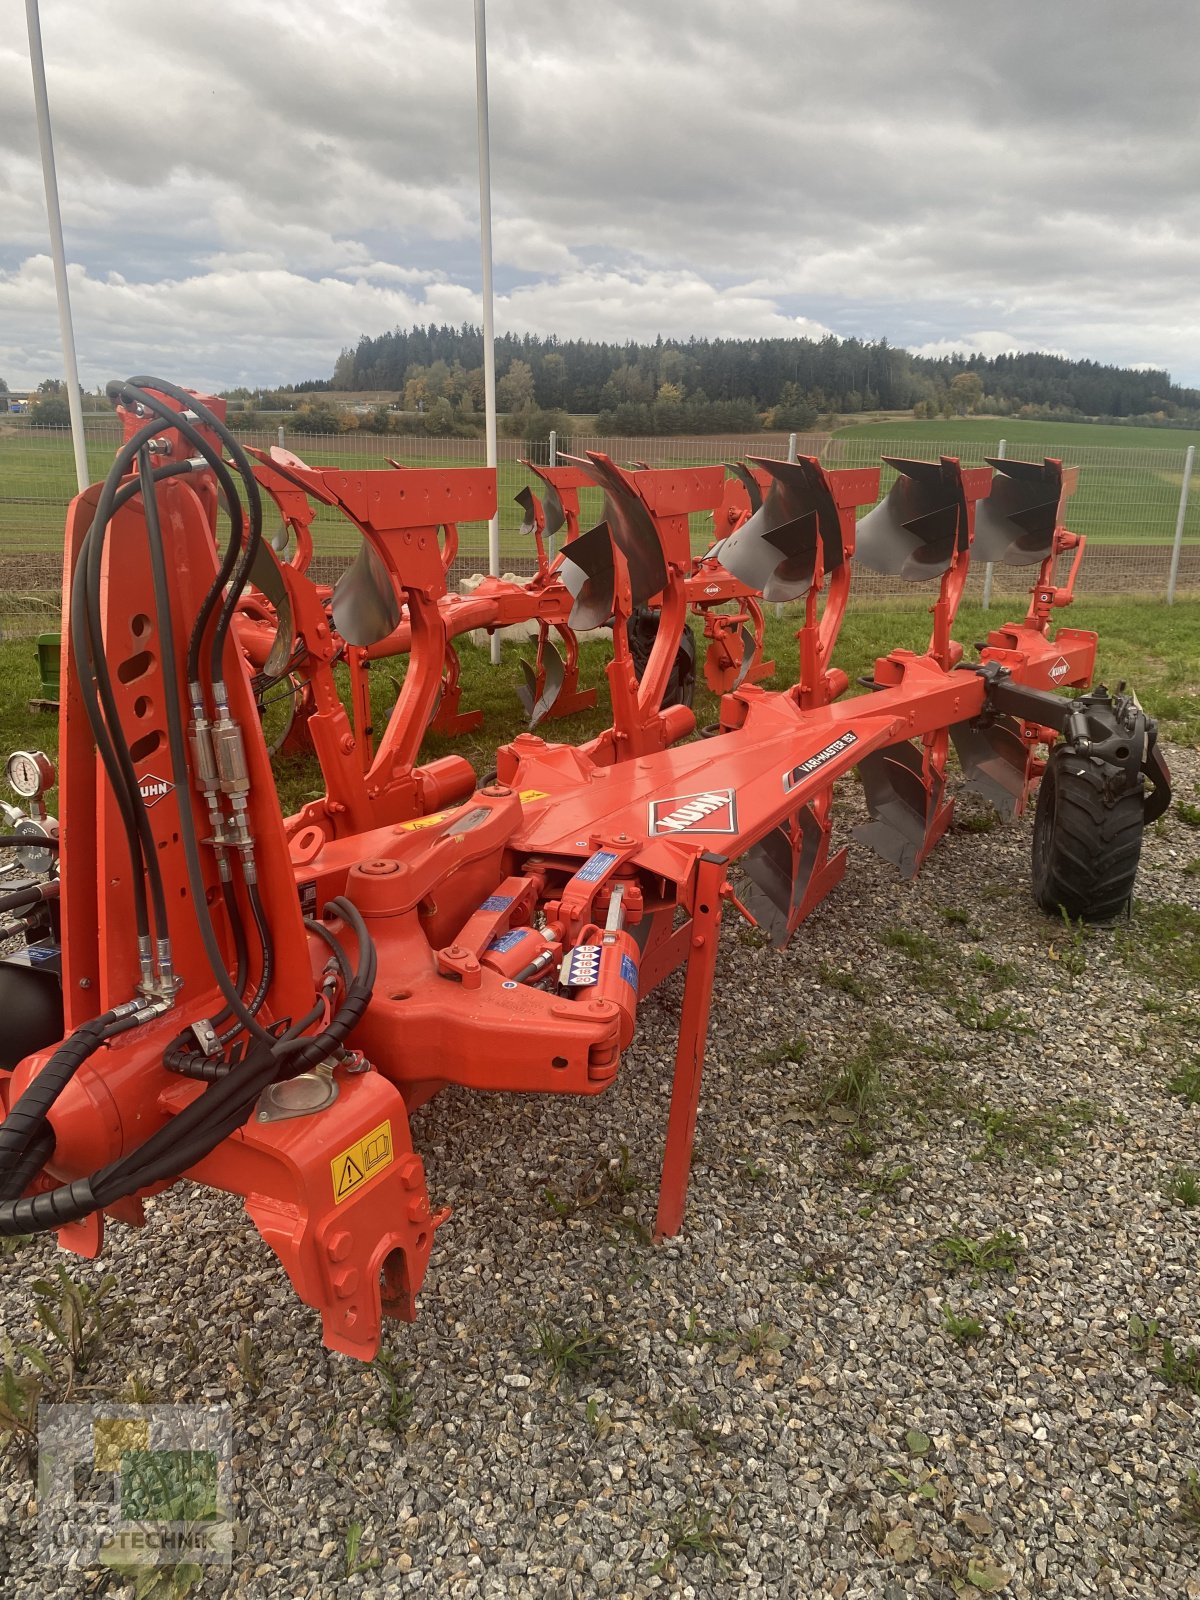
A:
[485,247]
[54,217]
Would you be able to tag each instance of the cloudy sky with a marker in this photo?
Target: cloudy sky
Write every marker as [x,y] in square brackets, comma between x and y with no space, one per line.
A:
[248,185]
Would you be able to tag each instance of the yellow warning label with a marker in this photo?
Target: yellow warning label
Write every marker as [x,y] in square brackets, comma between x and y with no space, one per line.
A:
[534,794]
[362,1161]
[424,822]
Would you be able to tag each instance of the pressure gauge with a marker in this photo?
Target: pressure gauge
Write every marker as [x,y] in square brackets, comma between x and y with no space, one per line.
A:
[30,773]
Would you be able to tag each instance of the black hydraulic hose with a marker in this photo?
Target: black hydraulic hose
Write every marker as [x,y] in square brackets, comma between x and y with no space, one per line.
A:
[26,1122]
[95,687]
[30,895]
[339,954]
[170,419]
[179,765]
[266,940]
[196,1130]
[241,461]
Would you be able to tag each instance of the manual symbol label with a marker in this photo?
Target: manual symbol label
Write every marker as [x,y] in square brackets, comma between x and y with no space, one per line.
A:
[361,1161]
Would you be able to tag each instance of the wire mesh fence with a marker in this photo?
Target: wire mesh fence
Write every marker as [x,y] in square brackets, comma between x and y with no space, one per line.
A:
[1127,503]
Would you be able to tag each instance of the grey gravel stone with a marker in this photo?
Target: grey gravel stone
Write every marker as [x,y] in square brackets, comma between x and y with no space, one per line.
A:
[743,1427]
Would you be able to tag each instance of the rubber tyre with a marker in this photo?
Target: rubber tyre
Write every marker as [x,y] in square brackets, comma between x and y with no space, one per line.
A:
[1085,845]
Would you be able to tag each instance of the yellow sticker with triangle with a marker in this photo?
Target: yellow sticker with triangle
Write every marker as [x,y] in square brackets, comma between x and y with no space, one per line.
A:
[362,1160]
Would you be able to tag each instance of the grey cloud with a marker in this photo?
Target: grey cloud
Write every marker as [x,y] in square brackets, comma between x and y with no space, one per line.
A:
[878,166]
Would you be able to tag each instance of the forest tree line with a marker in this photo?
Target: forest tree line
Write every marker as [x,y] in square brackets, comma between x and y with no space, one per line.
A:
[734,385]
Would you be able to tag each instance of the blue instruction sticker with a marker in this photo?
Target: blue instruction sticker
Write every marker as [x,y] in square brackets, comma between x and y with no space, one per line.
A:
[594,868]
[497,902]
[507,941]
[629,972]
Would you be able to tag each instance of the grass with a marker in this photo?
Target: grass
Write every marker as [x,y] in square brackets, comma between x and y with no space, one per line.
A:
[1037,1135]
[1163,942]
[1184,1186]
[1187,1082]
[572,1353]
[999,1252]
[859,1084]
[962,1328]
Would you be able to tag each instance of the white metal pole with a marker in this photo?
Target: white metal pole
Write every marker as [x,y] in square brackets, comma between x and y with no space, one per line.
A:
[1188,463]
[54,218]
[990,568]
[552,457]
[791,447]
[485,246]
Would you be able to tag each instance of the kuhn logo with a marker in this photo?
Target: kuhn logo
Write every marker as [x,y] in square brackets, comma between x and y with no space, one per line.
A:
[153,789]
[806,768]
[714,811]
[1060,669]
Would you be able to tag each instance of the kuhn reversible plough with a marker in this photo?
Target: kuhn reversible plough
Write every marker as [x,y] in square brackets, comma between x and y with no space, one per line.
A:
[207,990]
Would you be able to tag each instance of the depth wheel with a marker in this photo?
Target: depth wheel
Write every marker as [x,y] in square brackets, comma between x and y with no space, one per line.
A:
[1086,842]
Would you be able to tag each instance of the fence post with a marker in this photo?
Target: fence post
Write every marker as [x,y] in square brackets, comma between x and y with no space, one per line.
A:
[1177,548]
[282,434]
[987,571]
[552,460]
[791,447]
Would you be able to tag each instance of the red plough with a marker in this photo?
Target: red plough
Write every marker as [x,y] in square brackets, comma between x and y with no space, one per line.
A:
[259,1004]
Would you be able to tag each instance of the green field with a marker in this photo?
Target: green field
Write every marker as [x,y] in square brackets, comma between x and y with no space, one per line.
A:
[986,430]
[1129,486]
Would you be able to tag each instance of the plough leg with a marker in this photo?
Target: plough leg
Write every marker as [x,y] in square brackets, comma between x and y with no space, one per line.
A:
[689,1052]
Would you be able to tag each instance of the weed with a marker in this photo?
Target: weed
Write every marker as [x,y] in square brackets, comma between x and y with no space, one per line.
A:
[1142,1334]
[1189,1499]
[398,1400]
[832,978]
[24,1372]
[1193,868]
[81,1319]
[978,822]
[1184,1186]
[889,1181]
[1180,1367]
[999,974]
[963,1329]
[695,1531]
[599,1421]
[250,1362]
[690,1419]
[1035,1134]
[606,1183]
[750,1171]
[755,938]
[859,1084]
[1189,813]
[999,1019]
[791,1050]
[1071,950]
[859,1144]
[956,916]
[354,1564]
[572,1353]
[1163,943]
[11,1243]
[761,1337]
[1187,1081]
[999,1252]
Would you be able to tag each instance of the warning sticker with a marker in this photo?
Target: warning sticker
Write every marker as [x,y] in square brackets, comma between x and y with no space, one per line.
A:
[424,822]
[526,795]
[361,1161]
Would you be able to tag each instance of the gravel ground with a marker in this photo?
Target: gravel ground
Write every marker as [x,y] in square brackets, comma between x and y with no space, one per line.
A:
[771,1403]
